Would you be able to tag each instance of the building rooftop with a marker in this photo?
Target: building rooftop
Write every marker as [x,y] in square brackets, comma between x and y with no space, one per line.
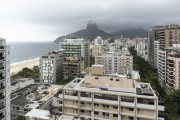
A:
[39,114]
[116,53]
[43,92]
[110,84]
[66,117]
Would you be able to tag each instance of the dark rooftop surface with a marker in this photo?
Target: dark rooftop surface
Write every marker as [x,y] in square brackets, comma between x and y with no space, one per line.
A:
[19,97]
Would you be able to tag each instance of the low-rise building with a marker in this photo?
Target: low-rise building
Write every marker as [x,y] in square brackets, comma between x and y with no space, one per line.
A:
[73,66]
[21,83]
[34,96]
[51,68]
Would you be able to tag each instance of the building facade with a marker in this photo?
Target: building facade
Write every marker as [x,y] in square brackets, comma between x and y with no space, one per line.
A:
[162,66]
[72,66]
[76,47]
[108,98]
[4,80]
[116,62]
[51,67]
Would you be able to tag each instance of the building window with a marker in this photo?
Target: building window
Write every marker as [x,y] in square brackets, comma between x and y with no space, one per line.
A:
[115,107]
[115,115]
[131,118]
[111,78]
[96,104]
[117,79]
[96,113]
[131,109]
[17,108]
[96,78]
[104,113]
[82,111]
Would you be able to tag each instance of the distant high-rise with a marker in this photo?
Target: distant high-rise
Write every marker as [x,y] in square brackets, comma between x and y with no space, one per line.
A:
[4,81]
[76,47]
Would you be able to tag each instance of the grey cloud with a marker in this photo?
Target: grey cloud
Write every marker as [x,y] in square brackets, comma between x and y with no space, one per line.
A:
[66,16]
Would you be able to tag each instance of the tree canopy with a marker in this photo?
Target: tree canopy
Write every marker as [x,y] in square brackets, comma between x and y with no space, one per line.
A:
[27,73]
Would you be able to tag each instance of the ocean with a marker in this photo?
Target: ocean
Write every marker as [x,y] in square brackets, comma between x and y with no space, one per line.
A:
[24,51]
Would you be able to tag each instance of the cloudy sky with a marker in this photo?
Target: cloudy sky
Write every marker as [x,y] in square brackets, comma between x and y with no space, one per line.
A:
[45,20]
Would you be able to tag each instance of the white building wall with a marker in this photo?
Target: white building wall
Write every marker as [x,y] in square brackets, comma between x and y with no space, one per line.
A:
[7,79]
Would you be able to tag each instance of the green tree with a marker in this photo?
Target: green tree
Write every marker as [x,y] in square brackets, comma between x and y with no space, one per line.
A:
[27,73]
[172,106]
[20,117]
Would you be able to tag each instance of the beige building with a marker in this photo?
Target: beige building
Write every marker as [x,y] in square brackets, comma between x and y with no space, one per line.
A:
[115,62]
[98,97]
[72,66]
[97,49]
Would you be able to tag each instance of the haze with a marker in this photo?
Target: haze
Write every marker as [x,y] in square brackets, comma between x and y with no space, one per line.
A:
[45,20]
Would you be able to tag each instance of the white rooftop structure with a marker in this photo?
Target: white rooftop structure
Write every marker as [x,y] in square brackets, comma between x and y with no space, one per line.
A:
[66,117]
[38,114]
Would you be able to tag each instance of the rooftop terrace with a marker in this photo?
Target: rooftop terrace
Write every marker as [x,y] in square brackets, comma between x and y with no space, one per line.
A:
[110,84]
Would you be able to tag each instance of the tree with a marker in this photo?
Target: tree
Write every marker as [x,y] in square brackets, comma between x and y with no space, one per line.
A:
[27,73]
[172,106]
[20,117]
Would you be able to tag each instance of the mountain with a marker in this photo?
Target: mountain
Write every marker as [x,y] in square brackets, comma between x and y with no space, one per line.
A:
[132,33]
[91,32]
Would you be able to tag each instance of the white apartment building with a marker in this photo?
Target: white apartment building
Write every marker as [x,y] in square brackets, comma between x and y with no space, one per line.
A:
[116,62]
[51,68]
[162,66]
[140,47]
[76,47]
[156,51]
[97,97]
[4,80]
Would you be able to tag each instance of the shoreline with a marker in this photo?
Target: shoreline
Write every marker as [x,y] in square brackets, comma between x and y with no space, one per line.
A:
[29,63]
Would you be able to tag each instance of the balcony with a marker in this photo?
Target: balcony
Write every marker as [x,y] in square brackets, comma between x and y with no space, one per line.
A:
[2,47]
[2,107]
[1,78]
[1,117]
[2,87]
[1,58]
[1,68]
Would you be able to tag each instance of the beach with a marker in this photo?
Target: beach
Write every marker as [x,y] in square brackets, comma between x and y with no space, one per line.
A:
[16,67]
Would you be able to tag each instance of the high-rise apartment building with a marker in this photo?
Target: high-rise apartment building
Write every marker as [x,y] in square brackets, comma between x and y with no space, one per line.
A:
[156,52]
[51,67]
[4,80]
[173,69]
[115,62]
[72,66]
[165,38]
[76,47]
[99,97]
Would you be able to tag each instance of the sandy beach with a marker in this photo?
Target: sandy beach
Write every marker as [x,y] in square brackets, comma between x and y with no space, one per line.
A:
[16,67]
